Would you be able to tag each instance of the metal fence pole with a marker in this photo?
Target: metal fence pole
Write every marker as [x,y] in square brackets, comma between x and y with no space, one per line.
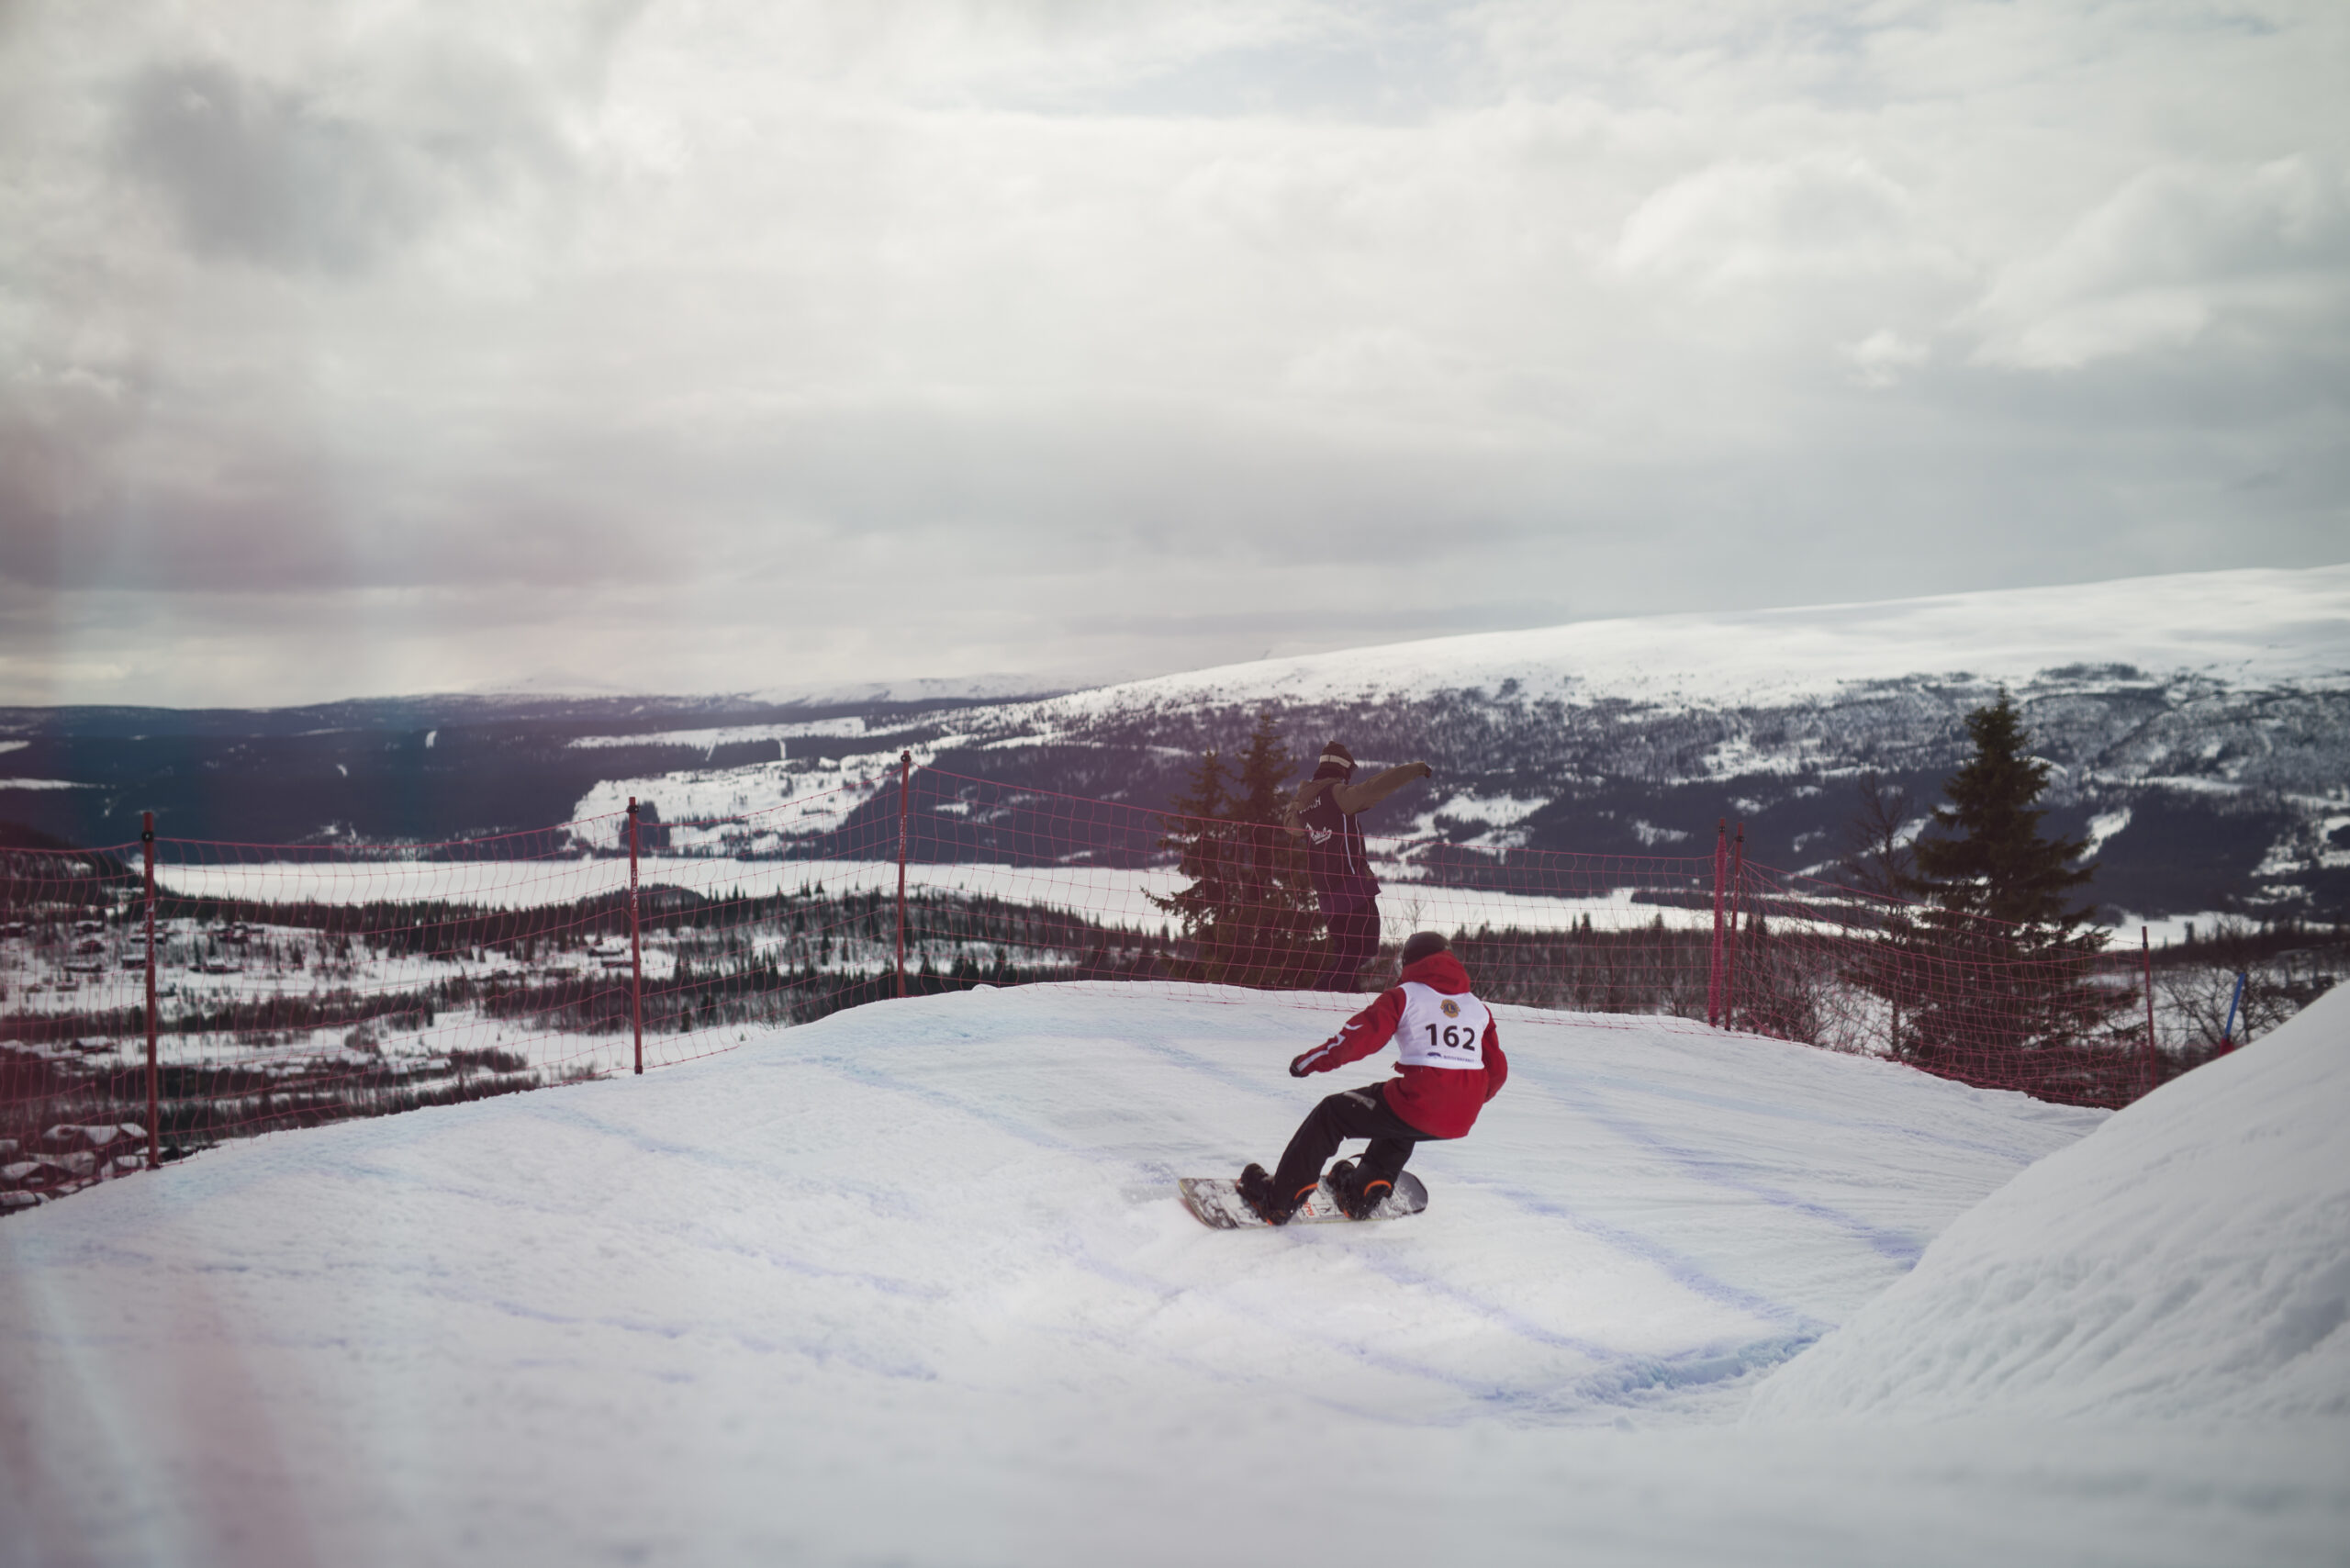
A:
[905,778]
[154,1131]
[1730,948]
[2228,1033]
[635,945]
[1714,968]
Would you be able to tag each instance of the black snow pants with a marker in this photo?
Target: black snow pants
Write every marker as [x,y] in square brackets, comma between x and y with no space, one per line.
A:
[1354,941]
[1358,1112]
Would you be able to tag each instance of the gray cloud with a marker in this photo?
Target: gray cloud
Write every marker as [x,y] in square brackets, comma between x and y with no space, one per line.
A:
[2177,250]
[926,337]
[339,174]
[263,174]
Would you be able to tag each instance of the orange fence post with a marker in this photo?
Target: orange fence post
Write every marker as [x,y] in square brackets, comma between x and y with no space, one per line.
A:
[2153,1062]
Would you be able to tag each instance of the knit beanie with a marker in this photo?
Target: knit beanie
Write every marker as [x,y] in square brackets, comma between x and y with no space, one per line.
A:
[1421,943]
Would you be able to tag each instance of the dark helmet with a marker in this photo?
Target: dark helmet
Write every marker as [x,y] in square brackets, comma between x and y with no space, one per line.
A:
[1420,943]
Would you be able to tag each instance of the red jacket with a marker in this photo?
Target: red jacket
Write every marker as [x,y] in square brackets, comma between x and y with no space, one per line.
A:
[1442,1102]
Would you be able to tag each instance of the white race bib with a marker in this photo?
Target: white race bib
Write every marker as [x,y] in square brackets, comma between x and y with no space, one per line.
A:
[1442,1031]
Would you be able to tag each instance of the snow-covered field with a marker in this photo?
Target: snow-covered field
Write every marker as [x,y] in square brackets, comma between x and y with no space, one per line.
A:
[1118,895]
[911,1284]
[1106,892]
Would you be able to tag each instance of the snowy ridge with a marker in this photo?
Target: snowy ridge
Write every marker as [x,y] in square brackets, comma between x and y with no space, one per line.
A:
[2189,1258]
[2249,627]
[2244,628]
[942,688]
[2211,709]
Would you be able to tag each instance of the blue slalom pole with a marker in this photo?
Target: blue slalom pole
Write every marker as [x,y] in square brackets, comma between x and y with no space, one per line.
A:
[2228,1034]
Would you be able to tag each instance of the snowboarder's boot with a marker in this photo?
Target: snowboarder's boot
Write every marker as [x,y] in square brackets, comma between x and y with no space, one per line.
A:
[1356,1197]
[1256,1189]
[1340,1177]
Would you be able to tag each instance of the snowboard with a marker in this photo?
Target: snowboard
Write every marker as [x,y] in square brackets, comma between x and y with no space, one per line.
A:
[1214,1201]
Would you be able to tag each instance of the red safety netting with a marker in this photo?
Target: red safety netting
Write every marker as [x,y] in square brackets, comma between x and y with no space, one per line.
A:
[73,1005]
[302,984]
[2061,1016]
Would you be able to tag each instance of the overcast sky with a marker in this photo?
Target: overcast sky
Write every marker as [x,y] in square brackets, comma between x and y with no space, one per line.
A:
[360,349]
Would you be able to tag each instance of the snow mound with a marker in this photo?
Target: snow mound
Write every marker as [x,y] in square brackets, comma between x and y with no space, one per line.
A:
[2190,1257]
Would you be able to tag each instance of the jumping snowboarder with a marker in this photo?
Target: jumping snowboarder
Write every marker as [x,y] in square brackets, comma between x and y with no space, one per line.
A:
[1453,1064]
[1324,815]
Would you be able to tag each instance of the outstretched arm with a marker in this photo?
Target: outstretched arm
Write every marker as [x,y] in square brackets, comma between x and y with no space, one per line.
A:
[1353,798]
[1364,1033]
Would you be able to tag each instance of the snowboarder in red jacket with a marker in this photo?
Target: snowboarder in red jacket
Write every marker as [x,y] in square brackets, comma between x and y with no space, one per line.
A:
[1453,1064]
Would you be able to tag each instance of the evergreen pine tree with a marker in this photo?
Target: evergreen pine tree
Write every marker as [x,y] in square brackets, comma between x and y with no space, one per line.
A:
[1278,922]
[1999,866]
[1995,984]
[1248,904]
[1197,832]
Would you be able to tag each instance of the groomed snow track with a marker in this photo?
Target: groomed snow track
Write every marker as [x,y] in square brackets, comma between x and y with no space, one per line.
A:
[911,1284]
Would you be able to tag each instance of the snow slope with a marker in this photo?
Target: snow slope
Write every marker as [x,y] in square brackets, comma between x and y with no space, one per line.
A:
[2247,628]
[911,1286]
[2191,1258]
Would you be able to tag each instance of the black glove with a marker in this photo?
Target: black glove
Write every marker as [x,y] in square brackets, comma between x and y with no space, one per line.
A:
[1297,1064]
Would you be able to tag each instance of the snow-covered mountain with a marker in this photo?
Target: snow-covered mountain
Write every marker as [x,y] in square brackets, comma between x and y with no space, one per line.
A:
[2241,630]
[2198,723]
